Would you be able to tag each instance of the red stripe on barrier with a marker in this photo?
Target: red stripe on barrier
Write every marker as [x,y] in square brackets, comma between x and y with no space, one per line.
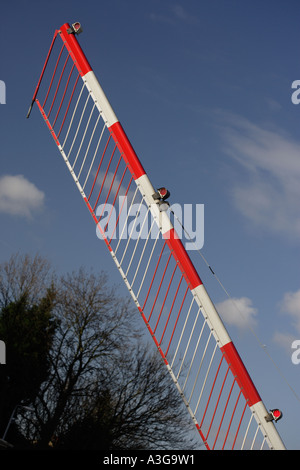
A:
[239,371]
[75,50]
[127,150]
[185,264]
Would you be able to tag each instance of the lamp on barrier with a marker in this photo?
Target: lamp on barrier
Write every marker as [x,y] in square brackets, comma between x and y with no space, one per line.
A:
[274,415]
[160,197]
[75,28]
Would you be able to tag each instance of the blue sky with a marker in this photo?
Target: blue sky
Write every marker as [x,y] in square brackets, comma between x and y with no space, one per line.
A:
[203,90]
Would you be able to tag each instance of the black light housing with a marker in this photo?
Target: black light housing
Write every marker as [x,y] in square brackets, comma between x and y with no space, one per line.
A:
[76,28]
[161,194]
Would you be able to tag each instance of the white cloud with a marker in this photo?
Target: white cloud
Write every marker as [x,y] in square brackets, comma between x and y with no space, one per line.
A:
[238,312]
[291,306]
[20,197]
[269,197]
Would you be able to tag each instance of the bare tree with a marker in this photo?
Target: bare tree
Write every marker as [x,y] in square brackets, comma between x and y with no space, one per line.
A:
[104,388]
[133,405]
[94,324]
[24,274]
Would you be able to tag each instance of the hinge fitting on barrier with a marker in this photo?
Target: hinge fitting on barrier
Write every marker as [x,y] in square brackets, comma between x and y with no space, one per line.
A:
[75,28]
[273,415]
[160,197]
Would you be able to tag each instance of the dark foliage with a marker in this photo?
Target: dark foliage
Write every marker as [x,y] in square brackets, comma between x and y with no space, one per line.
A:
[77,357]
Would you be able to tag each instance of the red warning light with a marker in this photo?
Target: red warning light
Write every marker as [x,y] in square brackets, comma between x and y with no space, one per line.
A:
[277,414]
[77,27]
[161,193]
[274,415]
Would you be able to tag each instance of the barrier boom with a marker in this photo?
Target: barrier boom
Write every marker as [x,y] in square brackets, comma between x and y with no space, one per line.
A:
[186,328]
